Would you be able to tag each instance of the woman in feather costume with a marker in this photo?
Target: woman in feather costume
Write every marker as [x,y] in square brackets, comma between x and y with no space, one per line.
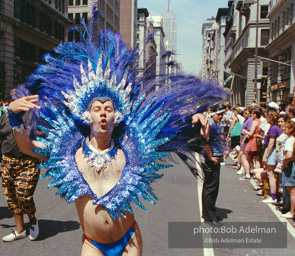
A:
[107,132]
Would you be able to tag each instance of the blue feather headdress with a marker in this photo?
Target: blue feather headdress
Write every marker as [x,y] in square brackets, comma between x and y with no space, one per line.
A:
[154,122]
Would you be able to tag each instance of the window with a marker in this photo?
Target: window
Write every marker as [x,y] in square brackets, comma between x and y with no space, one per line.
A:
[70,37]
[263,11]
[264,68]
[77,18]
[283,20]
[77,36]
[275,68]
[71,2]
[84,15]
[288,58]
[27,51]
[272,31]
[78,2]
[264,37]
[85,2]
[70,16]
[1,5]
[116,6]
[291,14]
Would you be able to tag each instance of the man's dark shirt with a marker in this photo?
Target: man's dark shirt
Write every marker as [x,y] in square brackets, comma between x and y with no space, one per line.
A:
[197,142]
[8,145]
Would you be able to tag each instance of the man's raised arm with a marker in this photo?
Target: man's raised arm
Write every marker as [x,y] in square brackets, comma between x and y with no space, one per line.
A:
[20,134]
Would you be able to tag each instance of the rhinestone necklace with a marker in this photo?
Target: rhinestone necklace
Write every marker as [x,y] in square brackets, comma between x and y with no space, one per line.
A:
[98,159]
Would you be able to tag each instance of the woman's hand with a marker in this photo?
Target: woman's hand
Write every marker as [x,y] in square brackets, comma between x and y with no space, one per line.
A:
[24,104]
[264,161]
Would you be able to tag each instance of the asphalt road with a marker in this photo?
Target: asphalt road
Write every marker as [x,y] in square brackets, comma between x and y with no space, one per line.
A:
[60,231]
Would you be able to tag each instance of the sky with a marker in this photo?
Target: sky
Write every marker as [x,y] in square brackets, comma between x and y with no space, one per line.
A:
[189,15]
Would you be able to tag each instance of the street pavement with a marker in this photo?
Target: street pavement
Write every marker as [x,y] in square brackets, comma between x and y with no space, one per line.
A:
[178,193]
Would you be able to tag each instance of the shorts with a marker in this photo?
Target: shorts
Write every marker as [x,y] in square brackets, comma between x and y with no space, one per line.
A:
[253,153]
[234,141]
[288,176]
[19,181]
[271,158]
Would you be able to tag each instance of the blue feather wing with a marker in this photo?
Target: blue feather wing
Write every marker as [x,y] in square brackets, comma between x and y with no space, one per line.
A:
[62,141]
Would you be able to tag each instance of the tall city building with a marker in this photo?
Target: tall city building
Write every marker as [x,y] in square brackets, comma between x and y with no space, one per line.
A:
[209,50]
[109,9]
[169,24]
[219,74]
[142,32]
[28,30]
[128,21]
[156,22]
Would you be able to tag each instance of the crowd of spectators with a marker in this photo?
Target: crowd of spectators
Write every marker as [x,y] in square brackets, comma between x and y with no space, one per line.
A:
[261,143]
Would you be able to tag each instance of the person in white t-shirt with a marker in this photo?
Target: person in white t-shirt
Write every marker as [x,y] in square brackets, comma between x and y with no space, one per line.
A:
[288,168]
[280,142]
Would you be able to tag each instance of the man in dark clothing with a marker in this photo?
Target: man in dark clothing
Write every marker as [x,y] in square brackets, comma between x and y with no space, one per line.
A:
[213,156]
[19,180]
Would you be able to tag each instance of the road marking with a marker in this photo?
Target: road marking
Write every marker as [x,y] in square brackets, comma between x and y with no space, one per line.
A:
[290,228]
[206,251]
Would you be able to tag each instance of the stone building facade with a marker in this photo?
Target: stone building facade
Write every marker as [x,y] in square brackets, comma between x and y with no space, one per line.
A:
[110,15]
[281,50]
[28,29]
[259,50]
[128,21]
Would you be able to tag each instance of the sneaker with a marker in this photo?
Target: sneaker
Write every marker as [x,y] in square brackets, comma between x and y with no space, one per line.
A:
[260,192]
[269,200]
[241,171]
[14,236]
[34,231]
[245,178]
[287,215]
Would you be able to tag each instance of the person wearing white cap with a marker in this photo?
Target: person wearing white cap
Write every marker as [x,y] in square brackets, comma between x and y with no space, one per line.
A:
[273,105]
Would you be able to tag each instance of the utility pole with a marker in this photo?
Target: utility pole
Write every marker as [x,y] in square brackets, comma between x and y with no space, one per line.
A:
[256,53]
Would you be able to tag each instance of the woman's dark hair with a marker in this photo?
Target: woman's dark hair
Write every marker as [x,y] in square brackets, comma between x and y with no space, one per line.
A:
[284,116]
[291,126]
[256,112]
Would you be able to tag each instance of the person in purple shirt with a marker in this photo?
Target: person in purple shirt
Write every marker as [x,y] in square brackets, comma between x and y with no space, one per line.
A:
[269,157]
[244,140]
